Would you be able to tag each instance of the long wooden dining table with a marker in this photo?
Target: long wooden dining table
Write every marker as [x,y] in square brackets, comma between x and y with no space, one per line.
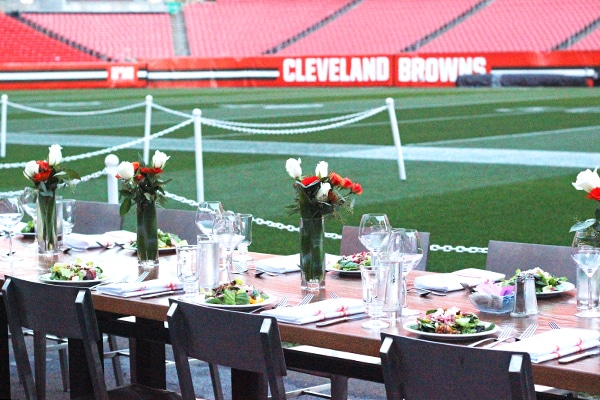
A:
[149,335]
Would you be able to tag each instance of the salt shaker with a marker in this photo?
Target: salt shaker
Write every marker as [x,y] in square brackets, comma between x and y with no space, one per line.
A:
[530,296]
[520,307]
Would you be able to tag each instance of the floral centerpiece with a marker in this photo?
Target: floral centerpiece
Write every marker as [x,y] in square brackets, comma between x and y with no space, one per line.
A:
[47,176]
[588,231]
[143,185]
[319,196]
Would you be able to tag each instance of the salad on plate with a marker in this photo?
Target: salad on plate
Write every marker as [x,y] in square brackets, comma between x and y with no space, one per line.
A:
[234,293]
[545,282]
[452,321]
[76,271]
[166,240]
[352,263]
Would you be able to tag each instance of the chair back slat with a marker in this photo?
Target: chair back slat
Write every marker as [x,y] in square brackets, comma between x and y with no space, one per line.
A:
[94,217]
[421,369]
[507,257]
[180,222]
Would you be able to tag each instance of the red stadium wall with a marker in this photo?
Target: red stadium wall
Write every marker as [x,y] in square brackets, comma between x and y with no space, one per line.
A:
[413,70]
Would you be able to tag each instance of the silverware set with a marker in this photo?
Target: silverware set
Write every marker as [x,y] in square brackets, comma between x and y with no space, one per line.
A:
[124,279]
[505,335]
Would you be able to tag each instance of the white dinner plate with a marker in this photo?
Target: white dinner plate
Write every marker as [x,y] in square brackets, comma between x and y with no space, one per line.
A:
[243,307]
[411,327]
[563,287]
[161,250]
[341,271]
[46,278]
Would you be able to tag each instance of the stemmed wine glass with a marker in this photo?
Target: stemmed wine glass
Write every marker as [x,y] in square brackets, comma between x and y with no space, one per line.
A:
[206,214]
[588,259]
[373,232]
[29,202]
[227,230]
[246,221]
[411,256]
[11,213]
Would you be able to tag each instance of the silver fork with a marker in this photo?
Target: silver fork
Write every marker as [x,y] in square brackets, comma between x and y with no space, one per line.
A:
[333,295]
[239,269]
[553,325]
[528,332]
[142,276]
[305,300]
[124,279]
[281,303]
[504,334]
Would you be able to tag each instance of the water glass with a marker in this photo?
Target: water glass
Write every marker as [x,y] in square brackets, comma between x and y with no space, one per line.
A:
[68,217]
[188,269]
[207,213]
[582,289]
[246,223]
[374,290]
[209,274]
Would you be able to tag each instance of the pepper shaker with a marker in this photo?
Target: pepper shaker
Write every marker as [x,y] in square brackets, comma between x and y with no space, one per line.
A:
[520,307]
[530,296]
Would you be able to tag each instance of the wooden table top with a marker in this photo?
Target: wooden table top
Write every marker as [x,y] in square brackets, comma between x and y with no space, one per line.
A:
[583,375]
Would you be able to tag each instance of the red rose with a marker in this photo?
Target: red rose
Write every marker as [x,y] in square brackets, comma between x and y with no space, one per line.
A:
[150,171]
[309,180]
[594,194]
[347,183]
[136,166]
[335,179]
[44,173]
[356,188]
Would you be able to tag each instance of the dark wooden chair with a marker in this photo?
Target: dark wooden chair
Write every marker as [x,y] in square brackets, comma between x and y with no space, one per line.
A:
[180,222]
[350,244]
[94,217]
[506,257]
[416,369]
[66,312]
[210,334]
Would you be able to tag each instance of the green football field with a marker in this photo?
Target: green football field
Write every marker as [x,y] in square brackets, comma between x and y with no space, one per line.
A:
[481,164]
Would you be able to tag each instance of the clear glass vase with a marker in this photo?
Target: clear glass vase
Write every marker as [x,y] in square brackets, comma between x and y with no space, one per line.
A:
[147,238]
[45,228]
[312,254]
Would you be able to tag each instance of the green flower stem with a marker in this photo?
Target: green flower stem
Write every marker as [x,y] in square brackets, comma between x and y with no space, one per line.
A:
[147,231]
[312,252]
[46,221]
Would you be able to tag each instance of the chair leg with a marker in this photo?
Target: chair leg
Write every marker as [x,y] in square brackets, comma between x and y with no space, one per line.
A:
[339,387]
[216,381]
[116,362]
[64,368]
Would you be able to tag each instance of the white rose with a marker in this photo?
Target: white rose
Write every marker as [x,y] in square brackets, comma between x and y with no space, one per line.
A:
[55,155]
[125,170]
[159,159]
[31,168]
[323,192]
[587,180]
[321,170]
[292,166]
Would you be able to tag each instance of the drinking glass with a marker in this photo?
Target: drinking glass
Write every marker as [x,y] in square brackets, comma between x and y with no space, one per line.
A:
[411,256]
[587,259]
[206,214]
[188,270]
[374,288]
[11,213]
[68,208]
[228,231]
[373,231]
[246,221]
[29,202]
[392,257]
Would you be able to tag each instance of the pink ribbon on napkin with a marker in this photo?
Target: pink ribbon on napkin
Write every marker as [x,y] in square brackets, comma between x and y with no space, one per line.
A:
[132,289]
[318,311]
[555,343]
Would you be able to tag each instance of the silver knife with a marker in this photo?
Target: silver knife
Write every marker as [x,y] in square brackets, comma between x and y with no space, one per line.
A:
[160,294]
[579,356]
[342,319]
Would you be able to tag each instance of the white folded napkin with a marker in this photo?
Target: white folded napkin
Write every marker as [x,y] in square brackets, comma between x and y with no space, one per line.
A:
[474,276]
[318,311]
[82,241]
[132,289]
[291,263]
[439,282]
[555,343]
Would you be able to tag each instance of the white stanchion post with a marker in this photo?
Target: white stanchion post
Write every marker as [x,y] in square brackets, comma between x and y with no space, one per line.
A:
[396,134]
[197,116]
[112,161]
[147,129]
[4,100]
